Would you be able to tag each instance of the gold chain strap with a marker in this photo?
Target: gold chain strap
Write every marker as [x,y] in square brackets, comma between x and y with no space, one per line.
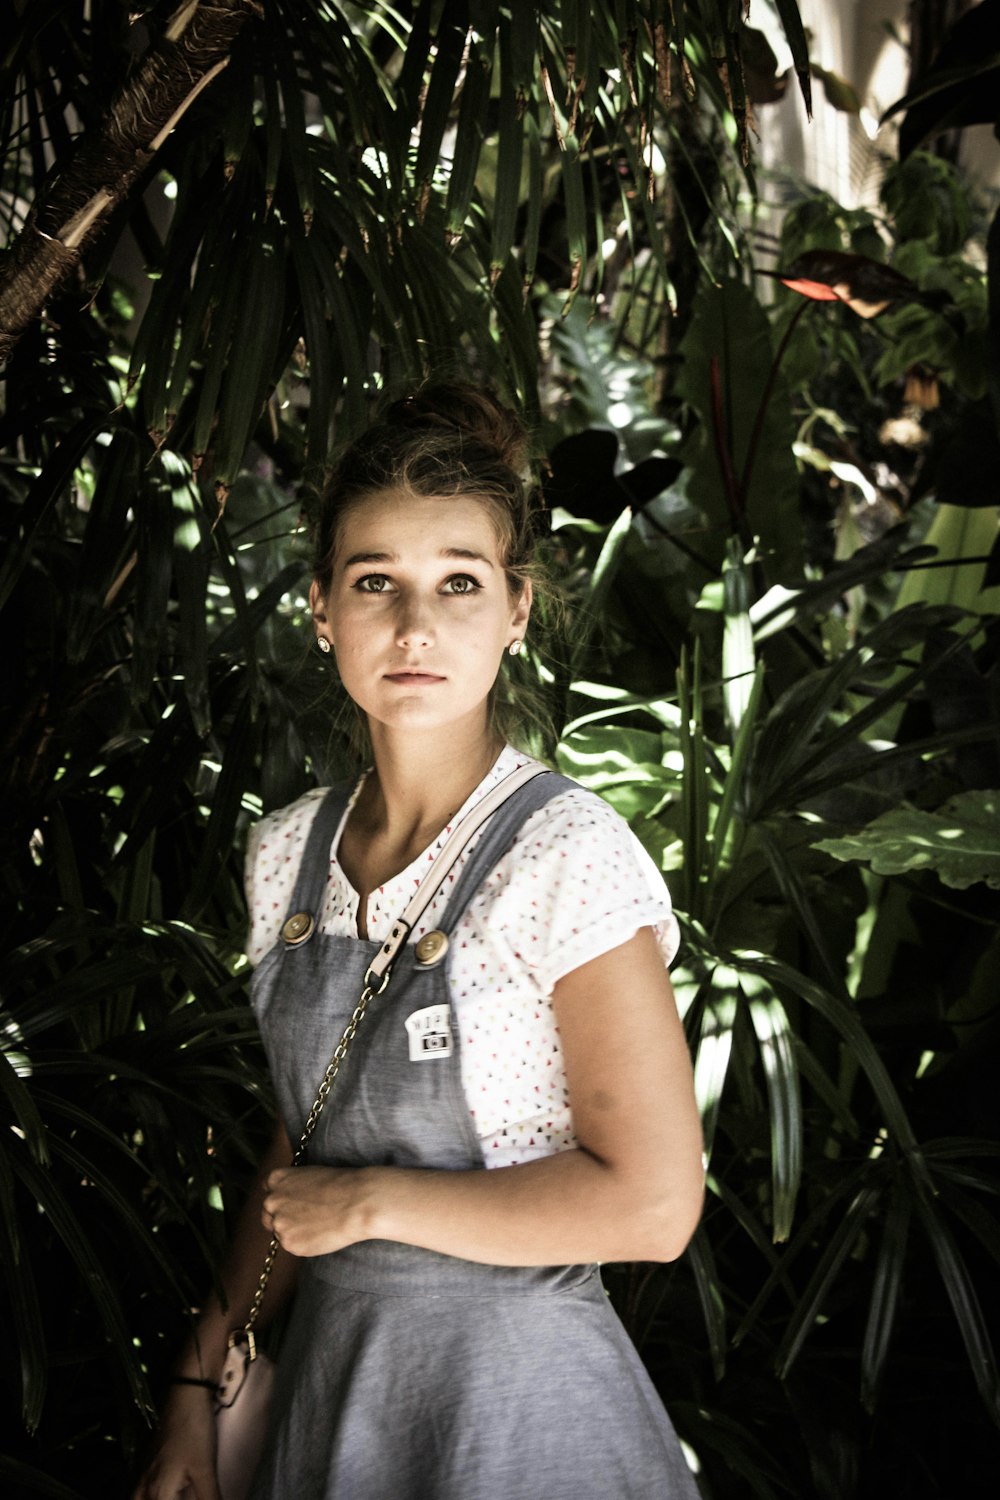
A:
[329,1077]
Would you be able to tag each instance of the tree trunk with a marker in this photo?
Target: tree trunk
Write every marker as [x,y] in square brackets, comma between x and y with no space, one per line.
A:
[75,205]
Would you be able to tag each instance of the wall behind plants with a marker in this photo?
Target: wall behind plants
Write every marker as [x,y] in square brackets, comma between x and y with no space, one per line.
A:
[741,676]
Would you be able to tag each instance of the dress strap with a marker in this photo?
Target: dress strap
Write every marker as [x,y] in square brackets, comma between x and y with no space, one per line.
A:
[314,866]
[484,812]
[500,832]
[502,811]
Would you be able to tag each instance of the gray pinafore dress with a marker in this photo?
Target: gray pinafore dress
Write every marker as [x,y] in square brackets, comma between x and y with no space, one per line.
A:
[406,1374]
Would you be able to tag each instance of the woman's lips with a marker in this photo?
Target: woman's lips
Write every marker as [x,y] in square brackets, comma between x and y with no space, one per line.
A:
[415,679]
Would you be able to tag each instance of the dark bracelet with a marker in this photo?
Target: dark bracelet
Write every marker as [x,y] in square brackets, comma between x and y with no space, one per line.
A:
[210,1385]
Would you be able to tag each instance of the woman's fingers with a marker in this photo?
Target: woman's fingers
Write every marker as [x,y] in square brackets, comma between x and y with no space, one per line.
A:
[183,1464]
[313,1210]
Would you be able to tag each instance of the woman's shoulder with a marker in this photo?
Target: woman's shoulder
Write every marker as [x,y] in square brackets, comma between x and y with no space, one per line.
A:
[276,845]
[574,811]
[581,835]
[295,817]
[581,877]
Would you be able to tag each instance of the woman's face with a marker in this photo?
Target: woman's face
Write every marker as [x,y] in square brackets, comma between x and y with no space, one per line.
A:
[419,611]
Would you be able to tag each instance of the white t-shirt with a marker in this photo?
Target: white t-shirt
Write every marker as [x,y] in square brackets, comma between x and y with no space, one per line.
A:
[575,883]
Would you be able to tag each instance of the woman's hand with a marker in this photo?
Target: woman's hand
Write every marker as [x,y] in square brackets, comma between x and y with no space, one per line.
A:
[631,1188]
[184,1462]
[183,1455]
[316,1210]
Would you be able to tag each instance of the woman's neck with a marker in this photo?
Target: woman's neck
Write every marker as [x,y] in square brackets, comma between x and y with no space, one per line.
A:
[420,782]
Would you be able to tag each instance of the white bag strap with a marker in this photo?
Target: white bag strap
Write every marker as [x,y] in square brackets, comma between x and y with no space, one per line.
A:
[444,862]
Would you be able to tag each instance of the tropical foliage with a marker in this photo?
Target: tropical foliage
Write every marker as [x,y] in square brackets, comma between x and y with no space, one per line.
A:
[766,666]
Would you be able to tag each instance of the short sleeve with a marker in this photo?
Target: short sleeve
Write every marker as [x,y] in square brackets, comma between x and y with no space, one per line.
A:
[589,885]
[273,854]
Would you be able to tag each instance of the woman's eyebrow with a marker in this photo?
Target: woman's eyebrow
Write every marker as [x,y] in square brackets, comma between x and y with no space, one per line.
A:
[370,557]
[468,553]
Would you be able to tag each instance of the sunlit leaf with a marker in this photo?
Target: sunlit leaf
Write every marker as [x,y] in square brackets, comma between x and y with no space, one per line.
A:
[960,842]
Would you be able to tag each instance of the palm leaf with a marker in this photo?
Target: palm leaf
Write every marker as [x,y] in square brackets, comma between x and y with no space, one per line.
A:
[718,1000]
[27,1480]
[840,1015]
[965,1303]
[775,1039]
[26,1309]
[87,1260]
[842,1243]
[706,1279]
[884,1306]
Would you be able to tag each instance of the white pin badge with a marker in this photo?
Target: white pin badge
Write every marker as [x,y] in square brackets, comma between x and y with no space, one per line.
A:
[429,1033]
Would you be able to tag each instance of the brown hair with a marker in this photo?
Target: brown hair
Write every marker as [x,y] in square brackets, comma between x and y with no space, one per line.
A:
[445,439]
[455,439]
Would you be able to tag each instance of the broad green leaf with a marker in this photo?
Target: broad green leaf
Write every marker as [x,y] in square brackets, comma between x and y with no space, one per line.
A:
[752,421]
[958,532]
[783,607]
[236,773]
[960,842]
[940,80]
[841,94]
[605,755]
[263,351]
[601,580]
[695,785]
[295,139]
[713,1431]
[19,1098]
[791,21]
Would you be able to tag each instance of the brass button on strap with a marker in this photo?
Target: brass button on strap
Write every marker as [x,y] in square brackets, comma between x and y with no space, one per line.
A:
[431,948]
[298,928]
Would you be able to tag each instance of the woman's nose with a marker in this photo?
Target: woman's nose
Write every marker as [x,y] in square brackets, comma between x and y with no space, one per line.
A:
[415,627]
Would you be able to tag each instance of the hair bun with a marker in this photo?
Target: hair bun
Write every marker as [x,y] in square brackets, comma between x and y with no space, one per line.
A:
[477,414]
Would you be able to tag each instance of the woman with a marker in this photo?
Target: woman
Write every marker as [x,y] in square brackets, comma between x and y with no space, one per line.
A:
[449,1338]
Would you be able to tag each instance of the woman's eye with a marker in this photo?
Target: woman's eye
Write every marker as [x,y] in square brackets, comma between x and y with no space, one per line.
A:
[372,583]
[461,583]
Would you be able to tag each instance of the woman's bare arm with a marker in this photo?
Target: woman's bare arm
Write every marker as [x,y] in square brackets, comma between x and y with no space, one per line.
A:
[631,1189]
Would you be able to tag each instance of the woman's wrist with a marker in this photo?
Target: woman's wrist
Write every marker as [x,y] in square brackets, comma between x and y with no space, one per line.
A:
[371,1217]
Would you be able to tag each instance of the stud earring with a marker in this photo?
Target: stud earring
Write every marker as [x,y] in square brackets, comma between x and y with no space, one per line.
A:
[515,648]
[323,644]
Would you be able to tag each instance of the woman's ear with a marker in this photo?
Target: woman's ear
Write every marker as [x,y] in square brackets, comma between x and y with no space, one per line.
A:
[321,624]
[522,609]
[317,603]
